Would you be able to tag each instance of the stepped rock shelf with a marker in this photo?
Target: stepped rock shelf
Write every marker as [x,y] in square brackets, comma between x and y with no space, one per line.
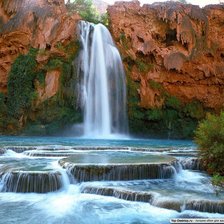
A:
[110,178]
[96,166]
[28,175]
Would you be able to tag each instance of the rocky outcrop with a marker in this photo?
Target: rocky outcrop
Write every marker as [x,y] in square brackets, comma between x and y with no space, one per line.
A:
[51,85]
[178,47]
[37,47]
[42,24]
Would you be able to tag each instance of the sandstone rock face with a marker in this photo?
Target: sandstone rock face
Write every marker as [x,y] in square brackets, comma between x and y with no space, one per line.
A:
[32,23]
[51,85]
[178,46]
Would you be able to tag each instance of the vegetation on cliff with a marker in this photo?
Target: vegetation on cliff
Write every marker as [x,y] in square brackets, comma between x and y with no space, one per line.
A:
[170,62]
[22,107]
[173,119]
[210,138]
[21,90]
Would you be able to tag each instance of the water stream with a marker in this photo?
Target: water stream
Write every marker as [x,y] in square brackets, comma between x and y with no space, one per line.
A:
[102,83]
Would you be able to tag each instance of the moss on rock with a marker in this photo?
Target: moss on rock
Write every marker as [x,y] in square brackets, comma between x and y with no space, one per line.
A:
[22,111]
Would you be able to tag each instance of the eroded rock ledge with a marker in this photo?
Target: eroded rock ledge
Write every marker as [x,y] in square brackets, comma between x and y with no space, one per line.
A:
[175,47]
[39,24]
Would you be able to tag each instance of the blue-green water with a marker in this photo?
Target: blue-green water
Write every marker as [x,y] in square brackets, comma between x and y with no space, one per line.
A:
[70,141]
[69,205]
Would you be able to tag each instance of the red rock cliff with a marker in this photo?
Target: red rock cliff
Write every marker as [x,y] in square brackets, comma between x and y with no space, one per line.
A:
[178,46]
[31,23]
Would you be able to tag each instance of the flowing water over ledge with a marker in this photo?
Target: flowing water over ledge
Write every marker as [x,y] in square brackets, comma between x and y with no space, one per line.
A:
[56,195]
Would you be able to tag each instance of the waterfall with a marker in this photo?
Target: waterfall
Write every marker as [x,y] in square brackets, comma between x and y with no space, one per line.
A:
[102,82]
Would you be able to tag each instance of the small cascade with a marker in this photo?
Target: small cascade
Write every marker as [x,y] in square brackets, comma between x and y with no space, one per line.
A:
[120,193]
[49,154]
[19,149]
[28,181]
[157,200]
[205,206]
[102,82]
[192,164]
[82,173]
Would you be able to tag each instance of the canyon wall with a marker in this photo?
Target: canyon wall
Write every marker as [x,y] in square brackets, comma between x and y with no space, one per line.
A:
[39,24]
[38,43]
[174,58]
[173,55]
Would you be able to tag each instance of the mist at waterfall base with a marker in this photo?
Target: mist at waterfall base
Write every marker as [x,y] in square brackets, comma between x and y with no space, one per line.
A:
[102,87]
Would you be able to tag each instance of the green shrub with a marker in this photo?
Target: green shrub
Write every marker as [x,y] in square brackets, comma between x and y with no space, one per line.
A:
[2,102]
[124,40]
[194,109]
[218,180]
[210,139]
[155,114]
[60,46]
[143,66]
[40,76]
[20,84]
[104,19]
[155,85]
[173,102]
[54,63]
[85,9]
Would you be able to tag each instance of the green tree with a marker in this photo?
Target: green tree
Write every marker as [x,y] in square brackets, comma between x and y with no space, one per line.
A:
[21,91]
[183,1]
[210,139]
[85,9]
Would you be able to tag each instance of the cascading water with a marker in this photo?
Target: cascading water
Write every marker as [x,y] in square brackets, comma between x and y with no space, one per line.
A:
[102,82]
[39,185]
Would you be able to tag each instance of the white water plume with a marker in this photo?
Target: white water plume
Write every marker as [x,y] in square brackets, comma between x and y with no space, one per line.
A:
[102,83]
